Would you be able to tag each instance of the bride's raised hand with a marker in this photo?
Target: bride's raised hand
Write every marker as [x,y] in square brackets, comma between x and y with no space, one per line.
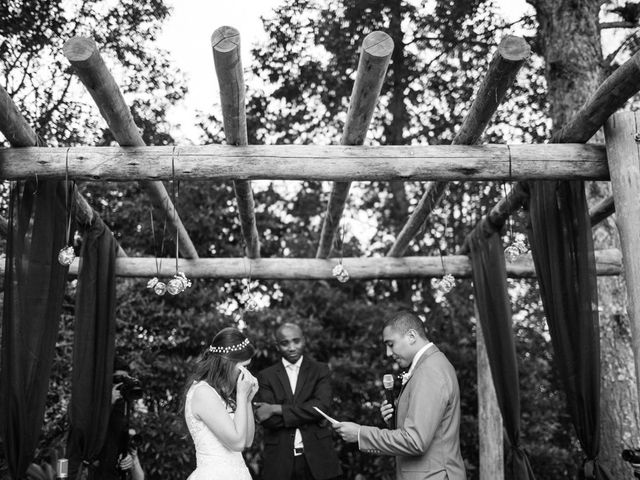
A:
[245,382]
[254,389]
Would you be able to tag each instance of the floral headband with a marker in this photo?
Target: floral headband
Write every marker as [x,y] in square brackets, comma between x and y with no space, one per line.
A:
[231,348]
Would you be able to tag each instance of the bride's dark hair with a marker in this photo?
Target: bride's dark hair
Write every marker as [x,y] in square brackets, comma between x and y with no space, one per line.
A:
[217,364]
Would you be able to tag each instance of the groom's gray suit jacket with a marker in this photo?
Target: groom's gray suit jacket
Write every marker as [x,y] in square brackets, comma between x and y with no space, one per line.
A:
[426,442]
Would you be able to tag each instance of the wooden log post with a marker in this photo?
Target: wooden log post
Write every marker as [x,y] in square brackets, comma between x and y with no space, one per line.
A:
[19,133]
[610,96]
[608,263]
[622,134]
[310,162]
[490,433]
[225,43]
[601,211]
[375,55]
[510,56]
[88,64]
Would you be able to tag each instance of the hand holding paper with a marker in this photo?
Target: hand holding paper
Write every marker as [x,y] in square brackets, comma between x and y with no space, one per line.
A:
[332,420]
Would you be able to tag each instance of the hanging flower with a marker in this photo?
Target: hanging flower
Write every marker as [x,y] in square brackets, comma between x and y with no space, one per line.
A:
[66,256]
[160,288]
[340,273]
[174,286]
[511,253]
[447,282]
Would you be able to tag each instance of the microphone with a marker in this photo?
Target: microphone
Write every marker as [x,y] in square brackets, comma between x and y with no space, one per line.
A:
[62,468]
[387,382]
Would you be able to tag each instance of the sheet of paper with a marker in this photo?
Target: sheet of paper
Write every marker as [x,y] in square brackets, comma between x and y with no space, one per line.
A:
[332,420]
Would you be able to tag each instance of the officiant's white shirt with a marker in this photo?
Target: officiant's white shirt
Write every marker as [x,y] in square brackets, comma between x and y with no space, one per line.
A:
[293,369]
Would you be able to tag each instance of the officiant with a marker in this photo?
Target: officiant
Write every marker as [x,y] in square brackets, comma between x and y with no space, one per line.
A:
[297,440]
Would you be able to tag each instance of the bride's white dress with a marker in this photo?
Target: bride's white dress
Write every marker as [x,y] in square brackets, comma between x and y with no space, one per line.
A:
[214,460]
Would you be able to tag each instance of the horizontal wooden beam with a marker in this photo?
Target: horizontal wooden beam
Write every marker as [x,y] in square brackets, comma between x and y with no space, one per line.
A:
[608,263]
[309,162]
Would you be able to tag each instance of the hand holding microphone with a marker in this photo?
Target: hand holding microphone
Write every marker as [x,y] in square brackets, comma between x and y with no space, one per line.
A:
[388,406]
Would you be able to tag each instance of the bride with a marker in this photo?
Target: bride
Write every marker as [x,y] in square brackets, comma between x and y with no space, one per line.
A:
[218,407]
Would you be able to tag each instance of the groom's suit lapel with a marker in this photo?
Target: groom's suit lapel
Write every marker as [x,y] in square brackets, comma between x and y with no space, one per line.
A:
[281,375]
[430,351]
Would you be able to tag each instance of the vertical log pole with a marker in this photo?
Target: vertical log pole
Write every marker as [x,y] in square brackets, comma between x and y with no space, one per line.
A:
[511,54]
[225,43]
[622,136]
[491,449]
[377,48]
[84,56]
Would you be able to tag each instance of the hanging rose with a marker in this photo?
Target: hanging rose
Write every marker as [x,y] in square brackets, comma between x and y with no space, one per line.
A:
[66,256]
[340,273]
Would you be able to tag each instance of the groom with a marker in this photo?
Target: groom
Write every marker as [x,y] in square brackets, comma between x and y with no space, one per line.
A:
[426,442]
[297,444]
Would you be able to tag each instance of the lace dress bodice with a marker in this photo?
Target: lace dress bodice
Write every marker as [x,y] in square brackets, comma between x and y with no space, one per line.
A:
[214,460]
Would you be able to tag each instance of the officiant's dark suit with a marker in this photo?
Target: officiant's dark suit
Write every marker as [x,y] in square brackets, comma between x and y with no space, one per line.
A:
[297,440]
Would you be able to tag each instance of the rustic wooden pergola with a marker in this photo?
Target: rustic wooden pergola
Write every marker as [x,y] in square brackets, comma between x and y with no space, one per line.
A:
[566,157]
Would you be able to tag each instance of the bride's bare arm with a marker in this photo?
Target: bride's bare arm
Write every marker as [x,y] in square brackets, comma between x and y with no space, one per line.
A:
[209,407]
[251,424]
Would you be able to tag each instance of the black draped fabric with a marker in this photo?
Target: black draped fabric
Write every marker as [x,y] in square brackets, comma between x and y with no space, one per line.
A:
[494,310]
[34,285]
[562,247]
[93,348]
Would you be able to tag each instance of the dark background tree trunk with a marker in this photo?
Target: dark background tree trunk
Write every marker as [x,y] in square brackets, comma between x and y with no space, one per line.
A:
[569,39]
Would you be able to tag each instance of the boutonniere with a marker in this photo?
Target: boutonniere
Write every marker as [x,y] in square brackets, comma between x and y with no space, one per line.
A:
[404,377]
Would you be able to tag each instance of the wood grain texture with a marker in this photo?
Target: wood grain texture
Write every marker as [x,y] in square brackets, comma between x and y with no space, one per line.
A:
[308,162]
[612,94]
[608,262]
[225,43]
[622,133]
[505,64]
[19,133]
[375,55]
[84,56]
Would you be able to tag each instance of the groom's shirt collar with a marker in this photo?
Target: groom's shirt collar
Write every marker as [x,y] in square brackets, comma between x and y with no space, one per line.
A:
[416,357]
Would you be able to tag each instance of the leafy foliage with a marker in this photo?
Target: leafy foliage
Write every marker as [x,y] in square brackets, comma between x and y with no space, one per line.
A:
[38,77]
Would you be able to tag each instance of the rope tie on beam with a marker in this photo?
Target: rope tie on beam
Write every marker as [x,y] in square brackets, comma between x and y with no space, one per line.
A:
[179,283]
[67,254]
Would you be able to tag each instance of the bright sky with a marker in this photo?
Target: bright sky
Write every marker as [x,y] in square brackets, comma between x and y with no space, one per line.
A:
[187,36]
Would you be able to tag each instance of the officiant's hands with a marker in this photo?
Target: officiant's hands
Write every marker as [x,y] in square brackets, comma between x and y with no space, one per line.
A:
[264,411]
[347,430]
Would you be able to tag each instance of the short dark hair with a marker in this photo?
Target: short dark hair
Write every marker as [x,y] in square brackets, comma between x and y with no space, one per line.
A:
[405,320]
[281,327]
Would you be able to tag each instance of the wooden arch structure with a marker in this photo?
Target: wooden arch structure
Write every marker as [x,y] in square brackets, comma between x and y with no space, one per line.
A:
[566,157]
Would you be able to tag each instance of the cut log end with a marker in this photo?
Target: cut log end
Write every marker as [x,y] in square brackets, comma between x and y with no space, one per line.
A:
[514,48]
[225,39]
[378,44]
[79,49]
